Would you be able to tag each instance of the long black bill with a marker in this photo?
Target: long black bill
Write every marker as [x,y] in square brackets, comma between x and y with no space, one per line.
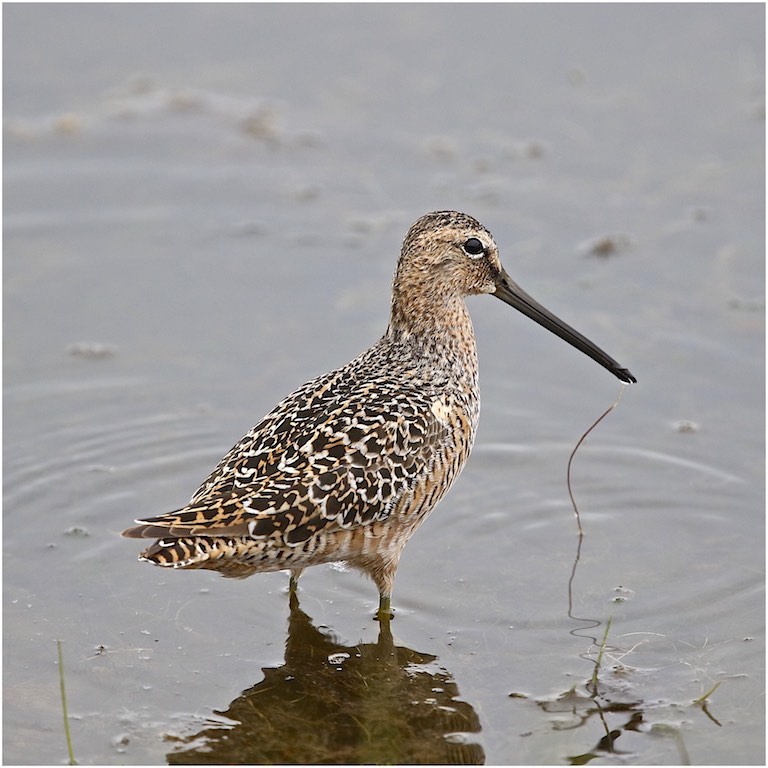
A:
[511,293]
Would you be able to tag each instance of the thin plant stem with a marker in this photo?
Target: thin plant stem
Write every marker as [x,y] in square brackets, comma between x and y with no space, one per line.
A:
[703,698]
[600,655]
[72,760]
[576,448]
[702,701]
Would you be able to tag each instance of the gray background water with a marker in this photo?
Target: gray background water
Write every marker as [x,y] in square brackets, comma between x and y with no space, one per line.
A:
[203,207]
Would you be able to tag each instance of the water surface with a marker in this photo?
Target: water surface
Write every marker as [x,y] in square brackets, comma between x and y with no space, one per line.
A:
[203,208]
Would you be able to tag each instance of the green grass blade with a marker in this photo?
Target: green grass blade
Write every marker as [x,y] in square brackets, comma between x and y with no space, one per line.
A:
[600,655]
[72,760]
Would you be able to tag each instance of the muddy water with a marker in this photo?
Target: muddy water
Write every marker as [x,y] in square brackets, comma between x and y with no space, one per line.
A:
[203,207]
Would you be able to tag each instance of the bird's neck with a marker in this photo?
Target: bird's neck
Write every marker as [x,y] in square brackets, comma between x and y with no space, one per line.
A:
[439,331]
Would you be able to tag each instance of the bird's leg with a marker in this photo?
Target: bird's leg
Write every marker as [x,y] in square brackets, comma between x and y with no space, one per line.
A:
[293,584]
[383,574]
[381,567]
[384,614]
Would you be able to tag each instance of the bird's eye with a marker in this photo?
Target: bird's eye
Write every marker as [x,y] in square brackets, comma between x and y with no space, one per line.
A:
[473,247]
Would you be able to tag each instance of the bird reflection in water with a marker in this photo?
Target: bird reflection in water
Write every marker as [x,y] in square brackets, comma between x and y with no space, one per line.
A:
[332,703]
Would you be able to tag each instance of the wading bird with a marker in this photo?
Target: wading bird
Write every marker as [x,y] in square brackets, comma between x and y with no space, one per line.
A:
[349,465]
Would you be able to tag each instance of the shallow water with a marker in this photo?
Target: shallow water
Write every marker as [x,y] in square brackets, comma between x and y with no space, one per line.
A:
[203,207]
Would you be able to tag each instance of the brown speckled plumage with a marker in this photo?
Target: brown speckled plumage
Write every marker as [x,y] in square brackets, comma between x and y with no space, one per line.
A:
[347,467]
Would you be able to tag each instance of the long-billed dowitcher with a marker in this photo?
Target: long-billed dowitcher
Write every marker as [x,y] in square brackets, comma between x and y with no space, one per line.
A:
[347,467]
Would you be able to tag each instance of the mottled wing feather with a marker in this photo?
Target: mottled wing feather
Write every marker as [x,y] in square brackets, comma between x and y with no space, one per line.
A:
[283,426]
[333,456]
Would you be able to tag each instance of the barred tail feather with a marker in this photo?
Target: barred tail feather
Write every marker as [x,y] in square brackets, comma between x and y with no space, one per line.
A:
[233,558]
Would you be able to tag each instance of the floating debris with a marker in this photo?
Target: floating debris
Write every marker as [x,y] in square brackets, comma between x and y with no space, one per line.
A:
[66,124]
[605,246]
[746,305]
[441,148]
[77,531]
[531,149]
[261,124]
[92,350]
